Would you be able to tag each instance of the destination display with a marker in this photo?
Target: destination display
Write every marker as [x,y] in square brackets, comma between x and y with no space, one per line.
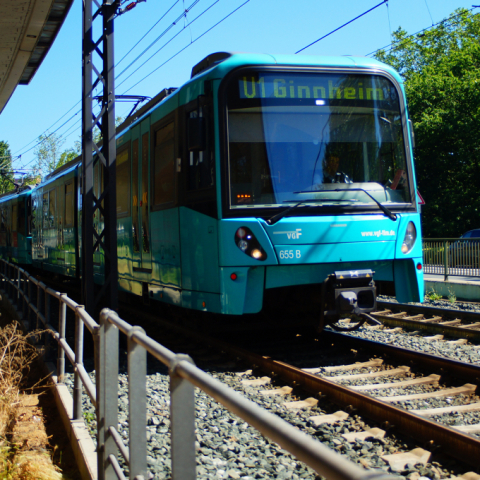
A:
[319,87]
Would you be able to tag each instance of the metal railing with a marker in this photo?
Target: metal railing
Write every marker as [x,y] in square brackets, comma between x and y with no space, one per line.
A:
[184,376]
[452,256]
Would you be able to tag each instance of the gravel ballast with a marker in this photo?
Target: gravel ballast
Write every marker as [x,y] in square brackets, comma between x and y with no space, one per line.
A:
[228,448]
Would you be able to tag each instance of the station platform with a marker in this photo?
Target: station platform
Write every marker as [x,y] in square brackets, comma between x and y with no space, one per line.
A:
[463,287]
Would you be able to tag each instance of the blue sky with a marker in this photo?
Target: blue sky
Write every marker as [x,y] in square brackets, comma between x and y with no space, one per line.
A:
[267,26]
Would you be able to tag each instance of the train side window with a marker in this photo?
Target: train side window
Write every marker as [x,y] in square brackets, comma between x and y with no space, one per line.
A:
[22,213]
[164,165]
[45,210]
[69,205]
[135,202]
[51,208]
[14,218]
[4,221]
[145,202]
[200,162]
[123,184]
[33,219]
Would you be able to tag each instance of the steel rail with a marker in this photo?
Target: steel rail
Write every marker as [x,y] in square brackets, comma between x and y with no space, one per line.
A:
[425,326]
[461,446]
[466,371]
[445,312]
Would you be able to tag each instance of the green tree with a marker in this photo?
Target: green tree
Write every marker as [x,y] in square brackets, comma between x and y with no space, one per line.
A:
[49,153]
[6,169]
[441,69]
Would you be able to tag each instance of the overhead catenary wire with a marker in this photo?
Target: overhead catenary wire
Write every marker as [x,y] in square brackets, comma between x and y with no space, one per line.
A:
[165,44]
[79,111]
[429,12]
[149,30]
[172,25]
[394,44]
[342,26]
[66,113]
[186,46]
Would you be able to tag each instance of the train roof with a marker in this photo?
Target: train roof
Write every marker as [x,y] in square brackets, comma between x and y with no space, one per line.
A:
[219,64]
[23,189]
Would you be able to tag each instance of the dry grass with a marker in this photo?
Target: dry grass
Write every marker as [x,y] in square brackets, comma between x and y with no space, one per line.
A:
[24,453]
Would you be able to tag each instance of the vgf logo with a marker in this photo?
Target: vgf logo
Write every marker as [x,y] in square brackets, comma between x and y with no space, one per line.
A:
[294,235]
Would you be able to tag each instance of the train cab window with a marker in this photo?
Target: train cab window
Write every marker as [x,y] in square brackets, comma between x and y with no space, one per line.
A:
[14,218]
[200,162]
[123,184]
[164,165]
[69,205]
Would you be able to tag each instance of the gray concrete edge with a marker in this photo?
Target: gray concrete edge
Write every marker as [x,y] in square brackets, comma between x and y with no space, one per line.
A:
[468,291]
[82,444]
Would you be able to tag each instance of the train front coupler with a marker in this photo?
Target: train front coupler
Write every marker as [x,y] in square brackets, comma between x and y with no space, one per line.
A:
[348,293]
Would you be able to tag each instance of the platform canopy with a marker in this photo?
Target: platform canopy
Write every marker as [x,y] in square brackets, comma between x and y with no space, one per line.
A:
[27,31]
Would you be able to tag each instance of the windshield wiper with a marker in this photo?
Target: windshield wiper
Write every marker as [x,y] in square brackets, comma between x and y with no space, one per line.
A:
[285,212]
[392,216]
[384,209]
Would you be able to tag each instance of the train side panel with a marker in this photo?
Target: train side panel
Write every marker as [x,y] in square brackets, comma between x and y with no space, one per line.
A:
[54,224]
[15,238]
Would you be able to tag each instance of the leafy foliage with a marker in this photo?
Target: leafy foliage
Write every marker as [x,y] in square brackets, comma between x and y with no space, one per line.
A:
[6,173]
[49,153]
[441,68]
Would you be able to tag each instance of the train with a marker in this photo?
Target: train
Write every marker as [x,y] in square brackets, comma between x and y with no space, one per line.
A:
[265,182]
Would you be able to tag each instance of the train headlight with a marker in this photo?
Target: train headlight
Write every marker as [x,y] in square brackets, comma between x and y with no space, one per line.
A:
[247,243]
[256,254]
[409,239]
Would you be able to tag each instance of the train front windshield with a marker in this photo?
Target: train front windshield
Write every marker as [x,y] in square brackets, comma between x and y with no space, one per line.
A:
[312,137]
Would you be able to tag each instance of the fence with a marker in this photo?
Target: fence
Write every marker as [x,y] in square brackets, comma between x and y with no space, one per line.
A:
[452,256]
[184,376]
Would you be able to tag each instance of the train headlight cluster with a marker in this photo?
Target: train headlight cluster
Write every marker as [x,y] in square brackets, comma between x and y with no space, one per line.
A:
[409,239]
[247,243]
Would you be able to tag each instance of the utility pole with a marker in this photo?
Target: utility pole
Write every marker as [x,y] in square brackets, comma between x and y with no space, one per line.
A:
[98,62]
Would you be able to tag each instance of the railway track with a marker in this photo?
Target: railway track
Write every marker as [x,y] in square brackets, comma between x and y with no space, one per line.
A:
[450,322]
[382,409]
[279,369]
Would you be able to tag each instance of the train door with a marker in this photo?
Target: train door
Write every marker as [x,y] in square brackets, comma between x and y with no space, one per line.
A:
[136,226]
[14,225]
[144,211]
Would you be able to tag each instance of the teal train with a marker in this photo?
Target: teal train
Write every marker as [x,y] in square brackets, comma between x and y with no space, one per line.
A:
[265,182]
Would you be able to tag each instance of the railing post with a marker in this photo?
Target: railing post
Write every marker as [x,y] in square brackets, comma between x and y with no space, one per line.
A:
[107,395]
[11,279]
[39,307]
[78,386]
[182,417]
[46,314]
[18,289]
[137,404]
[29,300]
[445,260]
[7,279]
[62,320]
